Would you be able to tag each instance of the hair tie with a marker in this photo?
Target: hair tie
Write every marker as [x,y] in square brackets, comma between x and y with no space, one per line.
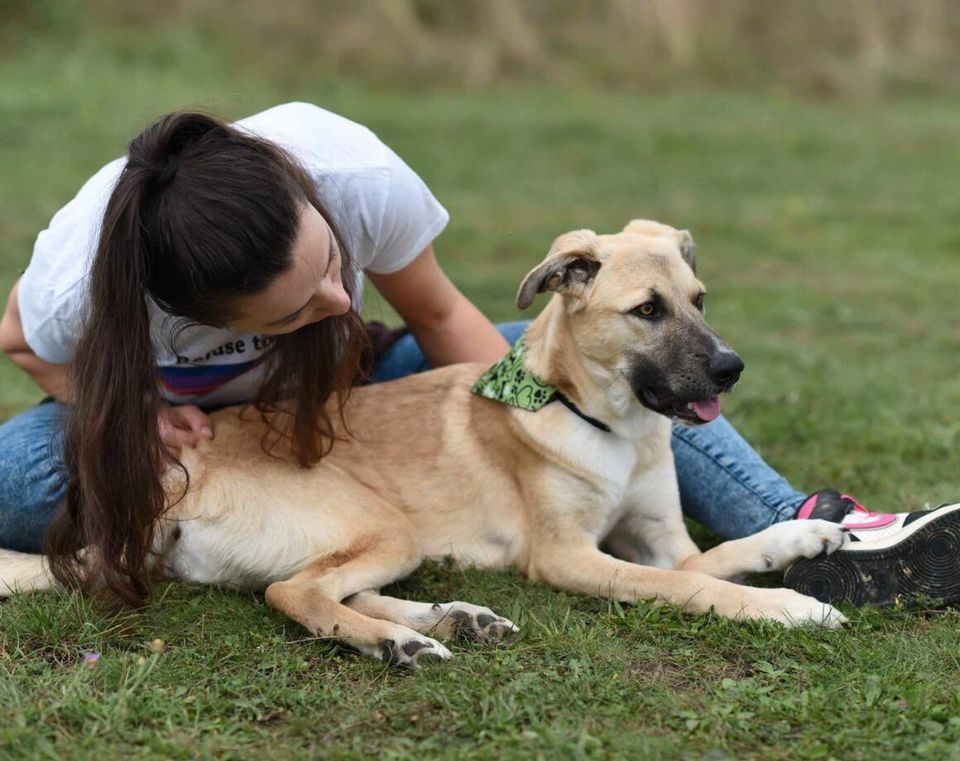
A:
[166,175]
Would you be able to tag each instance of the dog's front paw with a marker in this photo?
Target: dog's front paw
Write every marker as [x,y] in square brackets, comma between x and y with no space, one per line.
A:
[792,540]
[791,609]
[820,537]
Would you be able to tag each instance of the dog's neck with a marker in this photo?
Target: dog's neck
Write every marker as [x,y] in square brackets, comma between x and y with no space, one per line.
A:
[554,357]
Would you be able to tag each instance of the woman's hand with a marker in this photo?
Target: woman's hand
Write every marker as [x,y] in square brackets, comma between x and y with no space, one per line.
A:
[182,426]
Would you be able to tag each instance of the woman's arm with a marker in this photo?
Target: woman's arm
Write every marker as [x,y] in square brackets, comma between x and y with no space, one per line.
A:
[180,426]
[54,379]
[447,326]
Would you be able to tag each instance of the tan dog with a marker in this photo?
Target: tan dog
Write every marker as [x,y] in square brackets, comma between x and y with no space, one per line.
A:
[434,470]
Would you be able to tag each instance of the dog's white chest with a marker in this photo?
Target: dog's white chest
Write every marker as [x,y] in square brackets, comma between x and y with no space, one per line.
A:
[609,457]
[604,458]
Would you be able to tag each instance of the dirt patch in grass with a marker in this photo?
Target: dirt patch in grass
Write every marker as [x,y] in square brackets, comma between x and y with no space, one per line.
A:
[670,675]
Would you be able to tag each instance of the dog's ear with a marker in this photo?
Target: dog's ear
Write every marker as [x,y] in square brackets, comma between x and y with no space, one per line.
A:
[570,266]
[688,249]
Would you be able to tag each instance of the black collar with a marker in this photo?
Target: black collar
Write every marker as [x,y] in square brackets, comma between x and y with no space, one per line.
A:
[565,401]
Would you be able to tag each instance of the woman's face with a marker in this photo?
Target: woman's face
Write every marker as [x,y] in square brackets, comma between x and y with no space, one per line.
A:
[309,290]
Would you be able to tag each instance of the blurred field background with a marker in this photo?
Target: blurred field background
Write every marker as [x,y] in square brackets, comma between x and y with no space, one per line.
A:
[812,47]
[813,150]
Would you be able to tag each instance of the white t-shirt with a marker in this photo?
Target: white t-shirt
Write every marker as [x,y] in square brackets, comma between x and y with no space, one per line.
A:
[385,211]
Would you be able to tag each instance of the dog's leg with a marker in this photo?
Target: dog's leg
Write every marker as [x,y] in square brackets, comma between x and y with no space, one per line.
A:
[658,541]
[580,567]
[652,531]
[772,549]
[313,598]
[21,572]
[438,619]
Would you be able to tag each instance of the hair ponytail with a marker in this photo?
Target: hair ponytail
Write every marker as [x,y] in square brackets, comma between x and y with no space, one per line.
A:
[112,436]
[202,213]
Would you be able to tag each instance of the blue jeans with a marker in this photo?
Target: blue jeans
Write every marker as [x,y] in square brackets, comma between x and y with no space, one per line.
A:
[724,484]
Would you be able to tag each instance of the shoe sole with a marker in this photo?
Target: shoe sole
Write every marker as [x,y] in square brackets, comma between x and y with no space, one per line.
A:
[924,564]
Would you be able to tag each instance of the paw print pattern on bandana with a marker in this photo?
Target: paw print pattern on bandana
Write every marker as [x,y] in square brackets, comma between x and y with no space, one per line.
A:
[509,382]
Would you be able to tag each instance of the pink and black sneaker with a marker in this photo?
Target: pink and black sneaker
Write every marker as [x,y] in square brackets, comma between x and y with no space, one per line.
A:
[889,558]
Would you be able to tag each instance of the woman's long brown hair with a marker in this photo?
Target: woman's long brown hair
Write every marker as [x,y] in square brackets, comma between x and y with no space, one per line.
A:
[202,213]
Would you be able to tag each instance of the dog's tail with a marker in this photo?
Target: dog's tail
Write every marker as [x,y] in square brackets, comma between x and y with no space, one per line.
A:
[20,572]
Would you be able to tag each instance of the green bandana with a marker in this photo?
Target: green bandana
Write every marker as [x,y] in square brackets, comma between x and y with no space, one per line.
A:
[509,382]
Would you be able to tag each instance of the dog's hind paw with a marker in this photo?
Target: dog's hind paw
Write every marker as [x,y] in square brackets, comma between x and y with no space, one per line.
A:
[411,651]
[473,622]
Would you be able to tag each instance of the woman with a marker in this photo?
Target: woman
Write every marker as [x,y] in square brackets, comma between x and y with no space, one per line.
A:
[218,264]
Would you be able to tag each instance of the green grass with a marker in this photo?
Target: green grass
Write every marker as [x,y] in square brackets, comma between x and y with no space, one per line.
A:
[828,238]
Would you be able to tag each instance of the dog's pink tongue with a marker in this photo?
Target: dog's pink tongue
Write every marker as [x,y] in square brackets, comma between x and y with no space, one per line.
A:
[708,410]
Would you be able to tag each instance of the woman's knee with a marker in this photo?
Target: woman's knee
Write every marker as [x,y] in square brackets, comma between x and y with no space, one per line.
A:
[726,485]
[32,476]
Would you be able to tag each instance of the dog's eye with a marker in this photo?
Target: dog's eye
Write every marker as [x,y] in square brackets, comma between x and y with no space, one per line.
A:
[646,309]
[698,302]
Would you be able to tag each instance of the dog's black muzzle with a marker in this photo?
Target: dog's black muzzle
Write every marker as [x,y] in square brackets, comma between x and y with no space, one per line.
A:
[717,375]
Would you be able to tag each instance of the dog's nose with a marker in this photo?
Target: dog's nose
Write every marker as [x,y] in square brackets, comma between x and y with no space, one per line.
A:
[725,368]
